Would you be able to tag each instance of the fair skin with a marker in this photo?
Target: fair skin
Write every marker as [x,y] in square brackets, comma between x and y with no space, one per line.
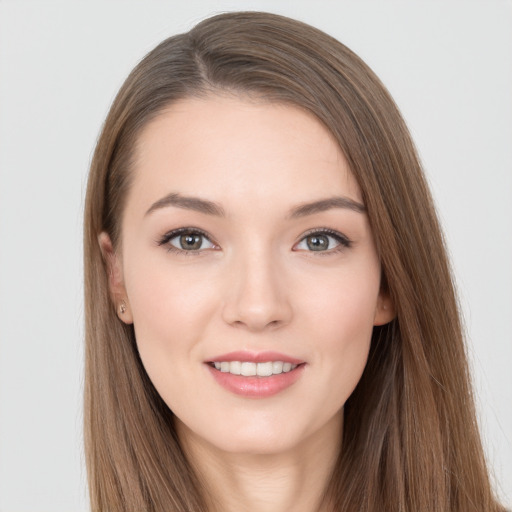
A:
[257,276]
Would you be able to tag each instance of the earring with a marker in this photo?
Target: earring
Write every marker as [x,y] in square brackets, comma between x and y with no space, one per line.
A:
[122,308]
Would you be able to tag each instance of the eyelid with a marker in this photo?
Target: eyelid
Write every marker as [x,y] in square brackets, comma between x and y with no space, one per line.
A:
[167,237]
[344,241]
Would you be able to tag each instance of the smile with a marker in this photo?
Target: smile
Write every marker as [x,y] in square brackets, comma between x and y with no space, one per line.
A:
[250,369]
[255,374]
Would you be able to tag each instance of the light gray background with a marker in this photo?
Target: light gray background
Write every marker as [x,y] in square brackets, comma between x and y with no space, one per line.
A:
[448,65]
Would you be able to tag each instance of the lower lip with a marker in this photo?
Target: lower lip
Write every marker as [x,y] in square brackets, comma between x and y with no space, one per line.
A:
[256,387]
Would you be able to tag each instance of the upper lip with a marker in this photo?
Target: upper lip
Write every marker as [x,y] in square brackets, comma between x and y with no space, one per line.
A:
[255,357]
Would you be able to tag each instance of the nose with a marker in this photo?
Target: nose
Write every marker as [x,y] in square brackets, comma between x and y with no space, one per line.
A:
[256,297]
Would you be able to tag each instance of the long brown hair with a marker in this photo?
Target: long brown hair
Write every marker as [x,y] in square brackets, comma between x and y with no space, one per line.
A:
[410,438]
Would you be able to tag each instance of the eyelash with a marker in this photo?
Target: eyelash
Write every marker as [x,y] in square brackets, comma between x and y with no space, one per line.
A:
[181,231]
[344,242]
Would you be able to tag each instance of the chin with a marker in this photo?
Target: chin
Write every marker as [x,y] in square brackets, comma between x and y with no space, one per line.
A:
[257,445]
[263,436]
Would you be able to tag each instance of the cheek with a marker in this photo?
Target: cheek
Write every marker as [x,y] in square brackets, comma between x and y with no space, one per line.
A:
[344,302]
[340,319]
[172,310]
[170,306]
[345,330]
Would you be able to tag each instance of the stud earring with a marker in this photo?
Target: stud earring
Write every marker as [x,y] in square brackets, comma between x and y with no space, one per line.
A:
[122,308]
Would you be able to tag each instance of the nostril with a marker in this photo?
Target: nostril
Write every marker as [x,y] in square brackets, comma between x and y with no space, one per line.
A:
[255,325]
[257,305]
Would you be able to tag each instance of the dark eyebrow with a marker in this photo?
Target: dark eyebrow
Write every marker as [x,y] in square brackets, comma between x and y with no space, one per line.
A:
[212,208]
[188,203]
[326,204]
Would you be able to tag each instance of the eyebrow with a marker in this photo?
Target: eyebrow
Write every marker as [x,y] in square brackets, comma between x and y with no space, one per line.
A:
[188,203]
[212,208]
[326,204]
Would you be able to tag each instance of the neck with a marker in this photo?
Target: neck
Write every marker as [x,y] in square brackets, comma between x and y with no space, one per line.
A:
[292,480]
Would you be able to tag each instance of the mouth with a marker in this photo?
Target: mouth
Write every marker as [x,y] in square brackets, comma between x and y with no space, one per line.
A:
[252,369]
[255,375]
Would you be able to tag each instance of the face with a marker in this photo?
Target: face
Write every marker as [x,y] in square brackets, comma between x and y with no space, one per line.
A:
[249,271]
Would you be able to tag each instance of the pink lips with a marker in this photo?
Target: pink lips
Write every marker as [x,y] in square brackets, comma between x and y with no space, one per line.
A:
[255,357]
[255,386]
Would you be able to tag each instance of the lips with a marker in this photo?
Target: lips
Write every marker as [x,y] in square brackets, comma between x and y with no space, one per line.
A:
[255,357]
[255,375]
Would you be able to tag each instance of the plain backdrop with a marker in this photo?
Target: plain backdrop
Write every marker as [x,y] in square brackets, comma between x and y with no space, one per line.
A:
[449,66]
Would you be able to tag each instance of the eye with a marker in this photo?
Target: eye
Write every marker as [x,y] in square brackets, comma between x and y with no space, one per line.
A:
[186,240]
[323,241]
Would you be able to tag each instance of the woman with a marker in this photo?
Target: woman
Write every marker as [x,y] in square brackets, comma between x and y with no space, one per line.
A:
[270,318]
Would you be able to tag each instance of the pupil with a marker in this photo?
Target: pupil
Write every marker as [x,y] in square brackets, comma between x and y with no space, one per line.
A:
[317,242]
[190,241]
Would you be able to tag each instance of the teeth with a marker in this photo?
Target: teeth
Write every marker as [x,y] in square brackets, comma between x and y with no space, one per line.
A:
[277,367]
[264,369]
[248,369]
[235,367]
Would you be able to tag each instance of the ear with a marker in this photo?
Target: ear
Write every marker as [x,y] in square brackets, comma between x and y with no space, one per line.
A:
[385,310]
[115,279]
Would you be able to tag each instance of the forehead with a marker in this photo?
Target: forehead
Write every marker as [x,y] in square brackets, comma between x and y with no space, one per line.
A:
[236,148]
